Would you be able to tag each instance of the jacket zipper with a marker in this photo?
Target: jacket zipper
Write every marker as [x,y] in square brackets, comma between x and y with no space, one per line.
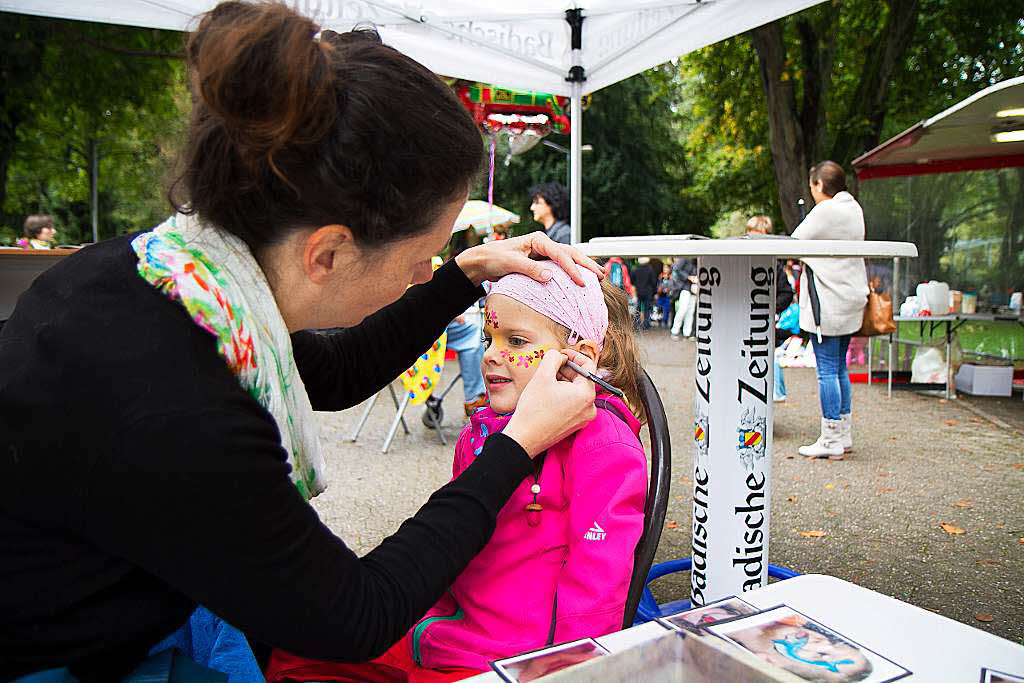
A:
[554,612]
[417,633]
[554,616]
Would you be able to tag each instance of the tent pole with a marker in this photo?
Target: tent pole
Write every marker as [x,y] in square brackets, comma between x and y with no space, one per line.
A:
[575,159]
[576,76]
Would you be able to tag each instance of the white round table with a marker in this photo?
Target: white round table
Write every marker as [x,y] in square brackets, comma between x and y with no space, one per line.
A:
[732,425]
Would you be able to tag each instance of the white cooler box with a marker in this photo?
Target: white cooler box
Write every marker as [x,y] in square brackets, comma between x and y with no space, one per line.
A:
[984,380]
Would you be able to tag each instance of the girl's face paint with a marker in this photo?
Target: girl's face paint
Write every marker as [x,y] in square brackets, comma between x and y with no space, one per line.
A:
[491,317]
[514,348]
[522,360]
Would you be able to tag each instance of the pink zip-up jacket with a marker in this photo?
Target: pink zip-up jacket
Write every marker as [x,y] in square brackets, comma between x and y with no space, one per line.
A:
[553,575]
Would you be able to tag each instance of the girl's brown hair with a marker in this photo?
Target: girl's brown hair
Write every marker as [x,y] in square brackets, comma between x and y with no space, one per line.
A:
[620,357]
[290,130]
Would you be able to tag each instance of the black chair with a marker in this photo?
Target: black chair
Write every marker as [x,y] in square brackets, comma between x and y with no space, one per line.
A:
[657,495]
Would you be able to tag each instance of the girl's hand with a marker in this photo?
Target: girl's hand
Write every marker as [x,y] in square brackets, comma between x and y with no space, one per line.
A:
[551,409]
[517,255]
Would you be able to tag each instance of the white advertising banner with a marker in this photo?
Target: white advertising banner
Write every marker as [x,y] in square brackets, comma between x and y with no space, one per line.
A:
[735,327]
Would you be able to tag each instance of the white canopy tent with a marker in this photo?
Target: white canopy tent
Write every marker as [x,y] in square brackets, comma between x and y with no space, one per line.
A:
[554,46]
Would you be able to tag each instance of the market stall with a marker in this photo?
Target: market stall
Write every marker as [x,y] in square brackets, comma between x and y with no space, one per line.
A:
[982,133]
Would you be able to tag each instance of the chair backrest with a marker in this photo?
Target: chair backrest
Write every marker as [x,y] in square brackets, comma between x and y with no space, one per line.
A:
[657,494]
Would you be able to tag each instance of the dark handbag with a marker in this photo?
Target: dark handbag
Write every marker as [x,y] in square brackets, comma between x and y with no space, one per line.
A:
[877,316]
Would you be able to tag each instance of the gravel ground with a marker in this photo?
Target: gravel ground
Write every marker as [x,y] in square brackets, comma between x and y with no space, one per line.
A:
[919,462]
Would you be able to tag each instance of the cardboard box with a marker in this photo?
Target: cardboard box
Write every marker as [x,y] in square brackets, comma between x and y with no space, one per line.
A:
[676,657]
[984,380]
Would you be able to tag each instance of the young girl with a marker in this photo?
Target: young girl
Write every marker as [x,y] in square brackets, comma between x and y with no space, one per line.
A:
[558,565]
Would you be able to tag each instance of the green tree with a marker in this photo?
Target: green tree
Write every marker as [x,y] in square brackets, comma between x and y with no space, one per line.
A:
[834,80]
[88,109]
[636,180]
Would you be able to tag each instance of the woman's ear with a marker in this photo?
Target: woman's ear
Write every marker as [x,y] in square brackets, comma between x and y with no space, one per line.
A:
[588,347]
[327,250]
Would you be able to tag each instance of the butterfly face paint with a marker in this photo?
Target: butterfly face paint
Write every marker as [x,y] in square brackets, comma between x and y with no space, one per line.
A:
[491,318]
[522,360]
[516,338]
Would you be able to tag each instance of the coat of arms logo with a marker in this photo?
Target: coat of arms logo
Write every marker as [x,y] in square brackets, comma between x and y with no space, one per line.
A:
[700,434]
[751,437]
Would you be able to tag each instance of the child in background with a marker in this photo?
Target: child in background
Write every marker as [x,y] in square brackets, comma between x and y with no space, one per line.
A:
[666,288]
[39,232]
[559,563]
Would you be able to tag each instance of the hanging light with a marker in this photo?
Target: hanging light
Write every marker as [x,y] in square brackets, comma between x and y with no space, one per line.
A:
[1009,136]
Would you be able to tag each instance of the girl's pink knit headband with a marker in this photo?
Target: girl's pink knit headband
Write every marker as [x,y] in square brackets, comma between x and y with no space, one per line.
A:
[581,309]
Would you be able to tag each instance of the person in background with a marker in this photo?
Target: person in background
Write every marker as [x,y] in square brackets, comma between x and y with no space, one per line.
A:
[618,275]
[646,282]
[842,287]
[663,298]
[39,232]
[762,225]
[500,232]
[550,207]
[684,271]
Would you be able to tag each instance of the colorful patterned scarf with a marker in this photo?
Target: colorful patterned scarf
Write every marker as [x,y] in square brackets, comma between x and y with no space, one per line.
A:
[215,277]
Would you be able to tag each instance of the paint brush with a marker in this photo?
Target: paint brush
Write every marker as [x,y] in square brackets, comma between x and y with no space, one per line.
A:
[595,379]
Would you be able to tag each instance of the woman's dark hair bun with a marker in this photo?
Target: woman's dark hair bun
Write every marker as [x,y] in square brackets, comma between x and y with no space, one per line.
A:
[294,128]
[259,69]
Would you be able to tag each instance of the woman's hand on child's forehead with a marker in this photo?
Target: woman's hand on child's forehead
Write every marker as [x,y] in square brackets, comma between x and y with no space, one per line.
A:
[520,255]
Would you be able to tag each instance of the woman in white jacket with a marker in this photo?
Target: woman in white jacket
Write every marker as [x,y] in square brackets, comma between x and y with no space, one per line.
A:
[843,291]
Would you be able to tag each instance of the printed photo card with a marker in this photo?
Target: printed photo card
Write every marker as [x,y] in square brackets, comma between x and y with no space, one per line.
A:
[802,646]
[532,665]
[691,620]
[993,676]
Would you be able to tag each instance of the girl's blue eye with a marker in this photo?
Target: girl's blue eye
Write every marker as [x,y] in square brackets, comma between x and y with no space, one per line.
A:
[516,341]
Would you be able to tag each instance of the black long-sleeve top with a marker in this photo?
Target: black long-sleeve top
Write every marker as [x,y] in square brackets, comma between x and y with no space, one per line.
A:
[139,479]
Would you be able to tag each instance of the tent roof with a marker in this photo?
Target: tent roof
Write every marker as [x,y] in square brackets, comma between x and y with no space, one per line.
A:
[958,139]
[524,44]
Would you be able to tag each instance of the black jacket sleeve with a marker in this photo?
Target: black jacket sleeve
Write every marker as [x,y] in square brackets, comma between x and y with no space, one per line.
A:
[783,290]
[220,521]
[344,367]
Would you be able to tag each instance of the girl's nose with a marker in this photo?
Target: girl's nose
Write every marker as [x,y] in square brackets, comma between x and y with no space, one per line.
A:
[491,355]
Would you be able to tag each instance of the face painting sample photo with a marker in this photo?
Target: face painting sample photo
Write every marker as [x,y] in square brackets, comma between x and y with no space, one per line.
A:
[727,608]
[793,641]
[992,676]
[533,665]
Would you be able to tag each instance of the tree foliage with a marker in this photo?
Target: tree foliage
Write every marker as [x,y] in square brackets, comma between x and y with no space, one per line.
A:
[833,81]
[73,91]
[636,180]
[681,148]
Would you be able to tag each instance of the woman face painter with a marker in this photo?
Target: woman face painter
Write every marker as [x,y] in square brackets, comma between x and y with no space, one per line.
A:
[321,173]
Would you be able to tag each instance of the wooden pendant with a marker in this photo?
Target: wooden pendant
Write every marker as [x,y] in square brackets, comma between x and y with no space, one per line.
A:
[534,506]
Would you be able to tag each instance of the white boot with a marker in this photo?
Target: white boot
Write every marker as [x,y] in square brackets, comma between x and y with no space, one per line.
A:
[846,432]
[828,444]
